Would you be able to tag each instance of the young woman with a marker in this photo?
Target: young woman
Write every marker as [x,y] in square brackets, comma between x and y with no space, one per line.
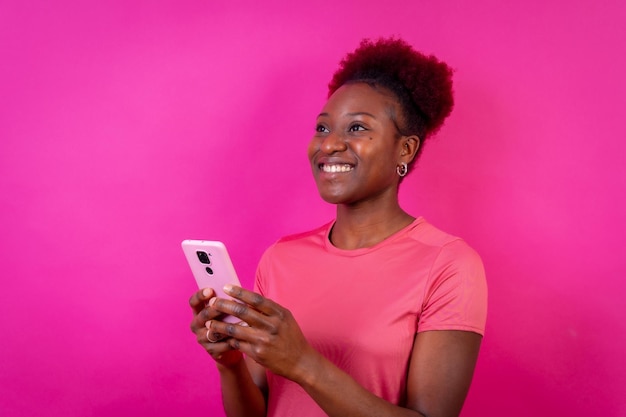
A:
[376,313]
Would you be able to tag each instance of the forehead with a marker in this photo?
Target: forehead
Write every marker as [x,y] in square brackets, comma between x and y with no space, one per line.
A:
[360,97]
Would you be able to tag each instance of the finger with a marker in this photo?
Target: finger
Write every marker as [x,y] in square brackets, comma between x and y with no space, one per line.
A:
[200,319]
[223,353]
[206,337]
[238,331]
[240,310]
[212,336]
[199,299]
[215,349]
[256,300]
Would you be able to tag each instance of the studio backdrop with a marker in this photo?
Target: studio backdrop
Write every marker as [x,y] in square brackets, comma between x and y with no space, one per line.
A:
[128,126]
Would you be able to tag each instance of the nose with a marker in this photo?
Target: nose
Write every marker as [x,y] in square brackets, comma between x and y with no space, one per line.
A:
[332,143]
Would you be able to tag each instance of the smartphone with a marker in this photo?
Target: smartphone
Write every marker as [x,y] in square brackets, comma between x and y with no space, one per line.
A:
[211,267]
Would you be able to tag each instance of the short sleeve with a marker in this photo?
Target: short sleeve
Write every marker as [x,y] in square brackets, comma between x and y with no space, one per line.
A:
[262,272]
[456,295]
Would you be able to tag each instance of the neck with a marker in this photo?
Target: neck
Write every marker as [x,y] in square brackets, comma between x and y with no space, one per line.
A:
[361,227]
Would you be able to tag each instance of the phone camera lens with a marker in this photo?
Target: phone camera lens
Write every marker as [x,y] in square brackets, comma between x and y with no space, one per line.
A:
[203,257]
[209,271]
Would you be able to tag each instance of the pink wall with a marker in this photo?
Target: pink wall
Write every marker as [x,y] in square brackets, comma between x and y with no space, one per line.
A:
[129,127]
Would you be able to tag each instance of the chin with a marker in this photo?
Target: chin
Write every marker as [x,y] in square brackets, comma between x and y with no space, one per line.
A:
[335,198]
[332,198]
[336,195]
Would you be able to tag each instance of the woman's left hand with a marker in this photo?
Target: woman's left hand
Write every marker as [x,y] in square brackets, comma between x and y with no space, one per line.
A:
[272,338]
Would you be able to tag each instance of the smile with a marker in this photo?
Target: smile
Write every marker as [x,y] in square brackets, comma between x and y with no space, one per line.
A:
[336,168]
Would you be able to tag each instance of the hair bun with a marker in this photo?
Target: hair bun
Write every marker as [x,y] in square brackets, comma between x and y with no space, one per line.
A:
[422,83]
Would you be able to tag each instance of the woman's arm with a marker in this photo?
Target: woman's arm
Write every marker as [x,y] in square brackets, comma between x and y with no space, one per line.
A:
[242,383]
[440,370]
[241,396]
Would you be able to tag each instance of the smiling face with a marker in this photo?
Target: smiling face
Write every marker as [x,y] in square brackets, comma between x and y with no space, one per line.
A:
[357,147]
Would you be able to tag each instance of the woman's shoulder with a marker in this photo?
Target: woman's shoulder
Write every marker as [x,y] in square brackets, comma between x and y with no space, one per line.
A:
[427,234]
[310,238]
[313,233]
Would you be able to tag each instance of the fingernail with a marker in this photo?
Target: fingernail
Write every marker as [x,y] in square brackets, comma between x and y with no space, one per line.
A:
[228,288]
[208,324]
[206,292]
[212,301]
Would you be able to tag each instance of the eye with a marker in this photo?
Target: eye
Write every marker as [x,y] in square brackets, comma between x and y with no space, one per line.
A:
[356,128]
[321,129]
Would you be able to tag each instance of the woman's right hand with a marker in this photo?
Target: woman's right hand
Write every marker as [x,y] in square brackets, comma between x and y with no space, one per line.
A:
[219,350]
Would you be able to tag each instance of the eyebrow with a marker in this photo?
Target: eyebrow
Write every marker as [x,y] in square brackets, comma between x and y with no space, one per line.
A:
[360,113]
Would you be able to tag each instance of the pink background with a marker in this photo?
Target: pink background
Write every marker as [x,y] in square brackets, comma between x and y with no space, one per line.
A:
[129,127]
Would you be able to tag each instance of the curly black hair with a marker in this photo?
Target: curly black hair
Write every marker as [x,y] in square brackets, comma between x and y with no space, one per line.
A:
[422,84]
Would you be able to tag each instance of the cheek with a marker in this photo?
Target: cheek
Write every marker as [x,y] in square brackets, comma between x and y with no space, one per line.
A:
[313,147]
[383,157]
[370,151]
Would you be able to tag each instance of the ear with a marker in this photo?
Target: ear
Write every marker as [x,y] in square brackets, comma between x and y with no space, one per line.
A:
[409,146]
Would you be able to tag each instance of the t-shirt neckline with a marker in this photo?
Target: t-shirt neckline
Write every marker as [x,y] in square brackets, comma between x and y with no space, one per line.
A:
[362,251]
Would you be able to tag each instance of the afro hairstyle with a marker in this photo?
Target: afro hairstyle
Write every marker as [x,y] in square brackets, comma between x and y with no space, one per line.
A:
[422,84]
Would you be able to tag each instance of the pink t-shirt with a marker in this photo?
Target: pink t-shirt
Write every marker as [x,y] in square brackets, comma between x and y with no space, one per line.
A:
[362,308]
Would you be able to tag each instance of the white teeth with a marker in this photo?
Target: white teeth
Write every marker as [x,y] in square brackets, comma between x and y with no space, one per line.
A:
[337,168]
